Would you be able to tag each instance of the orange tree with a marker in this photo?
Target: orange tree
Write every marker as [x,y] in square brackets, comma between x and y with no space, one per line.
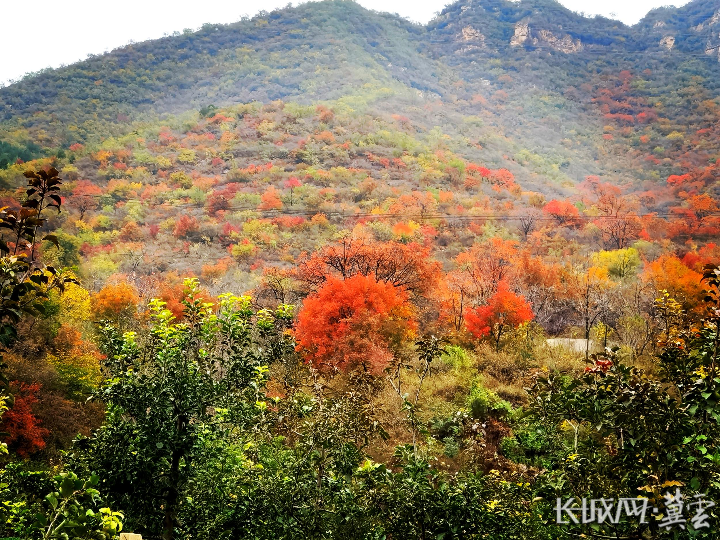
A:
[116,302]
[504,311]
[353,323]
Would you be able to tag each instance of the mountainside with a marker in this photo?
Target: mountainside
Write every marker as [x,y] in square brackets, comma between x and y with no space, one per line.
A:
[539,65]
[492,109]
[328,274]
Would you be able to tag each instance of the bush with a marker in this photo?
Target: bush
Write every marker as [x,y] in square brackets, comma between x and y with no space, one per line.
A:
[483,403]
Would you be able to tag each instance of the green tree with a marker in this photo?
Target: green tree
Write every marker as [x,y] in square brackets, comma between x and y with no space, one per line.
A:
[171,393]
[24,281]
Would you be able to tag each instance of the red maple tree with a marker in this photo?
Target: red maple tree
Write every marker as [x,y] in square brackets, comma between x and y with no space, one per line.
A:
[564,212]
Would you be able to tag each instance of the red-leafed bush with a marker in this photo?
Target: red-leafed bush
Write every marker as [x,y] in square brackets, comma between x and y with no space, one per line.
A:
[185,226]
[563,211]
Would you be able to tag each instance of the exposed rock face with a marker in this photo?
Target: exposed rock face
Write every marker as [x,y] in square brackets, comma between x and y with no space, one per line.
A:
[564,44]
[708,23]
[659,24]
[474,39]
[470,34]
[713,51]
[522,32]
[668,42]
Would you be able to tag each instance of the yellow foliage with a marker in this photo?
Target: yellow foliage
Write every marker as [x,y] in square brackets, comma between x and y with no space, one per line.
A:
[75,305]
[618,263]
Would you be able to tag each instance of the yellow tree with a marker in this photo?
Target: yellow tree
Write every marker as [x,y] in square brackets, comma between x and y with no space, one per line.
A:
[590,288]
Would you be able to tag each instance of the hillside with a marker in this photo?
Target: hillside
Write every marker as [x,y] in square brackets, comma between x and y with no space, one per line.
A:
[325,273]
[533,68]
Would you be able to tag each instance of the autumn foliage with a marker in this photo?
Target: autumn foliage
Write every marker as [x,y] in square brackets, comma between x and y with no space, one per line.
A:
[270,200]
[505,310]
[24,433]
[407,266]
[668,273]
[564,212]
[353,324]
[116,302]
[185,226]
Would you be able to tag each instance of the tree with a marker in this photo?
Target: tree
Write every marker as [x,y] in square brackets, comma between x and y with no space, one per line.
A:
[527,221]
[85,197]
[617,225]
[117,303]
[24,281]
[69,513]
[486,265]
[619,231]
[270,200]
[504,310]
[405,266]
[186,226]
[292,183]
[353,324]
[639,433]
[564,212]
[542,284]
[24,433]
[590,291]
[668,273]
[172,393]
[130,232]
[620,263]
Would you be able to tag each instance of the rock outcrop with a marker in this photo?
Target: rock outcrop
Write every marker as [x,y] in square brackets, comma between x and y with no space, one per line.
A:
[522,33]
[565,44]
[668,42]
[470,34]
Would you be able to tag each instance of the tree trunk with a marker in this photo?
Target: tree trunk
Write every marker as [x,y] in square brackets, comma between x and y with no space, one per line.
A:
[171,498]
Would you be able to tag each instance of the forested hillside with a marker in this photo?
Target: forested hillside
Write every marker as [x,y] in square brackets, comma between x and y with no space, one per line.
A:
[326,273]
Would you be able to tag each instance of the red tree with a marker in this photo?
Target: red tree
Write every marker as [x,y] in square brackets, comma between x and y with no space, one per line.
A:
[292,183]
[186,226]
[405,266]
[563,211]
[504,310]
[353,323]
[25,436]
[85,197]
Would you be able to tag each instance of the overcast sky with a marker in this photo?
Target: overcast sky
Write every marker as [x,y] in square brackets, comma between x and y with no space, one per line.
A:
[36,34]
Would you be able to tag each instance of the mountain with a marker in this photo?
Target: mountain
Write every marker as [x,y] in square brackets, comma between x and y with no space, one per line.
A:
[327,50]
[508,173]
[340,96]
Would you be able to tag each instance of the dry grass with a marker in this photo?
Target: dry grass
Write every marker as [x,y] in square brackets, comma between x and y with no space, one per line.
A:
[559,359]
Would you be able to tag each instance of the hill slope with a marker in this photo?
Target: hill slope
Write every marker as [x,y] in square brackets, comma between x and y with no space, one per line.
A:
[494,108]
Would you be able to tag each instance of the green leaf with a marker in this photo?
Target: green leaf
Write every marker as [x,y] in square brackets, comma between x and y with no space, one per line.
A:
[67,487]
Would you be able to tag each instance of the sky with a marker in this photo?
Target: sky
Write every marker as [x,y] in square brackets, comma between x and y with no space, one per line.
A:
[37,34]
